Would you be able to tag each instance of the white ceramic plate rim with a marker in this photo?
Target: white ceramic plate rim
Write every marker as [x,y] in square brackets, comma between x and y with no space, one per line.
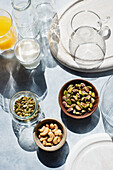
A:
[62,55]
[83,143]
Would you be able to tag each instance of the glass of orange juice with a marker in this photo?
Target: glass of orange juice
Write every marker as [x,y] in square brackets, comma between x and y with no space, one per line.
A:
[8,34]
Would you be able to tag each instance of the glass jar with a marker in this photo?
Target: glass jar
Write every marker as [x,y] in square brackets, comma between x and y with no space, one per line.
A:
[20,112]
[26,18]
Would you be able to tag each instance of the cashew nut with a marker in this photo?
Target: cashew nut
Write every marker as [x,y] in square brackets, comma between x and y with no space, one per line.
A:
[45,132]
[42,129]
[52,126]
[43,139]
[39,136]
[55,128]
[44,142]
[56,140]
[58,132]
[47,144]
[47,125]
[50,134]
[51,137]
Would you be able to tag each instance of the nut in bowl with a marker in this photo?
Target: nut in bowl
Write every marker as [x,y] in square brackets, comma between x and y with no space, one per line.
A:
[78,98]
[24,108]
[50,134]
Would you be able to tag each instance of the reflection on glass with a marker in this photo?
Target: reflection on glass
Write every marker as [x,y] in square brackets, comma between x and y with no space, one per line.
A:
[107,105]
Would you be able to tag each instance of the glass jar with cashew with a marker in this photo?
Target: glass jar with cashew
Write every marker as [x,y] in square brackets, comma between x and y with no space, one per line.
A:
[50,134]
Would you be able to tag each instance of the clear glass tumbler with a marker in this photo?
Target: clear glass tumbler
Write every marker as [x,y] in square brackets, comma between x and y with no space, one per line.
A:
[46,11]
[106,106]
[8,35]
[26,18]
[27,51]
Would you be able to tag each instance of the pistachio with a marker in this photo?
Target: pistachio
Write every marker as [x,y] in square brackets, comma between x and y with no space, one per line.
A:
[86,89]
[78,98]
[78,113]
[82,85]
[65,92]
[93,94]
[74,111]
[78,94]
[86,105]
[70,89]
[92,100]
[78,103]
[69,101]
[78,107]
[70,109]
[75,90]
[89,87]
[64,98]
[90,105]
[90,92]
[65,104]
[73,100]
[75,97]
[77,86]
[83,99]
[70,86]
[25,106]
[84,93]
[89,109]
[88,97]
[73,105]
[83,111]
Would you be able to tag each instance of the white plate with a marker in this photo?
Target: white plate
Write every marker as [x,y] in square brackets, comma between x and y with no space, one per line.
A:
[94,152]
[59,32]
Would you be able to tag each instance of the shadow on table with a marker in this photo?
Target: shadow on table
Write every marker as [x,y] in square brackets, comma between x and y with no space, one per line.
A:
[32,80]
[24,137]
[14,77]
[26,142]
[81,126]
[47,56]
[54,159]
[24,134]
[84,74]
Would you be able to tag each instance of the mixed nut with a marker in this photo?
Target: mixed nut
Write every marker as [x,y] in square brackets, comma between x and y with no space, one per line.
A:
[50,134]
[78,98]
[25,106]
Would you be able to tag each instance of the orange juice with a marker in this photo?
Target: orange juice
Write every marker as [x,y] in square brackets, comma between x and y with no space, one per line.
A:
[8,35]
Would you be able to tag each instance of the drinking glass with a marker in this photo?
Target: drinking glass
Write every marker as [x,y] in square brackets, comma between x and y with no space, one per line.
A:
[27,52]
[8,35]
[26,18]
[46,11]
[106,105]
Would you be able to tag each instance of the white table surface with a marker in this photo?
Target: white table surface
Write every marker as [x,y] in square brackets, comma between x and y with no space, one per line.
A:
[17,150]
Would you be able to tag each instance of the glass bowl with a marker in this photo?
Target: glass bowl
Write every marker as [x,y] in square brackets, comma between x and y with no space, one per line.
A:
[106,105]
[27,119]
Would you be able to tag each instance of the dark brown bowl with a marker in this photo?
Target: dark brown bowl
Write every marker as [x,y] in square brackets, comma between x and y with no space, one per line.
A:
[87,114]
[44,122]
